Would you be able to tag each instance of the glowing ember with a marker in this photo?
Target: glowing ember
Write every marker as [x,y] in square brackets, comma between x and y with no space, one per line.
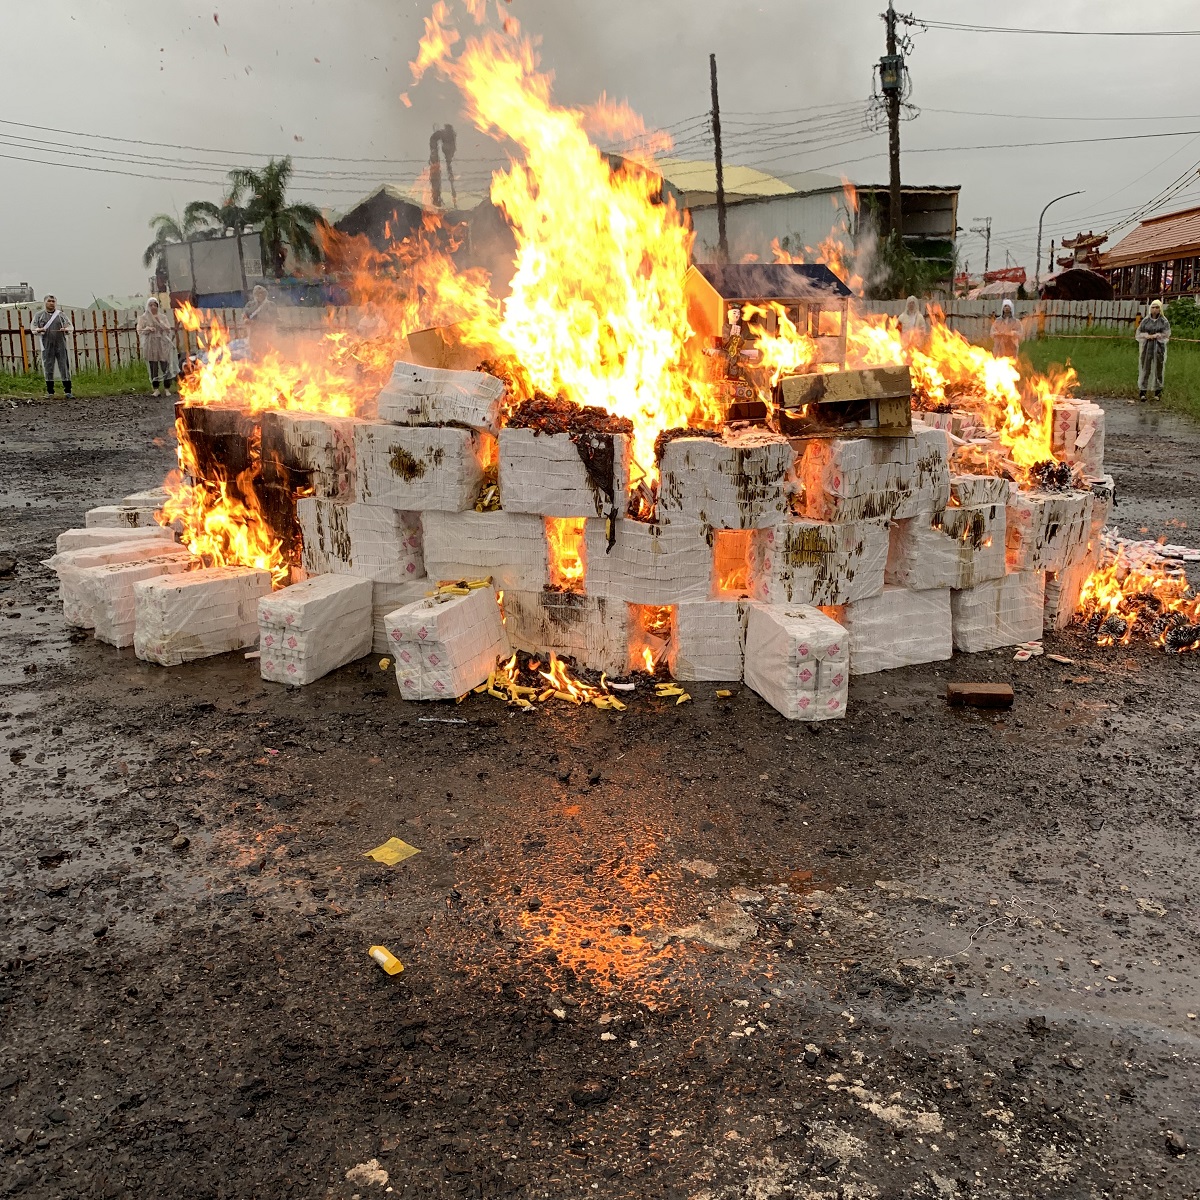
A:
[1120,602]
[523,681]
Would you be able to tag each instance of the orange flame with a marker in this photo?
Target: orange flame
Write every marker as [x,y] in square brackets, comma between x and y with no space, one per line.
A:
[568,552]
[1119,602]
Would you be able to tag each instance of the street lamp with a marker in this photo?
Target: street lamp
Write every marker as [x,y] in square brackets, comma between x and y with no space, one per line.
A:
[1037,271]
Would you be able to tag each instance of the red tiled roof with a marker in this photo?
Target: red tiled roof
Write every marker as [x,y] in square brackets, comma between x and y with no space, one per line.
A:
[1175,235]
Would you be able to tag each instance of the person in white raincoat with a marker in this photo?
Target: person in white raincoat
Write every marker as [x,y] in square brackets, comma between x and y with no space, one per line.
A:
[157,336]
[914,329]
[1006,332]
[1153,334]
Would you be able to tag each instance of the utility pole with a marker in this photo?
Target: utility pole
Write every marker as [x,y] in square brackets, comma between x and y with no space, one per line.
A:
[722,240]
[1037,271]
[986,230]
[891,76]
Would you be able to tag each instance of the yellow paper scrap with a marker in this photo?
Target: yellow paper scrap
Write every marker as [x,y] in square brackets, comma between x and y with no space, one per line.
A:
[386,959]
[391,852]
[722,692]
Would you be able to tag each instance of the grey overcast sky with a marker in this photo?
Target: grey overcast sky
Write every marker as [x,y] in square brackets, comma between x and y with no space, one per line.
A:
[322,78]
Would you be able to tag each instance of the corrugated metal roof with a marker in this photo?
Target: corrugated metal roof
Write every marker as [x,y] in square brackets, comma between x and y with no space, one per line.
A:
[1175,235]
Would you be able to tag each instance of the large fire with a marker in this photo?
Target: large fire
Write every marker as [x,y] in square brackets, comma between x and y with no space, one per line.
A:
[1121,601]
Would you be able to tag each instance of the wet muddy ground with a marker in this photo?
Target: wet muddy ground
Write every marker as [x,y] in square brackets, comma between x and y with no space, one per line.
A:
[676,952]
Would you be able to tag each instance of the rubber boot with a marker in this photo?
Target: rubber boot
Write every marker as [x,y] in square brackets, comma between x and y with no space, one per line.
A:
[49,387]
[67,387]
[1158,395]
[1141,397]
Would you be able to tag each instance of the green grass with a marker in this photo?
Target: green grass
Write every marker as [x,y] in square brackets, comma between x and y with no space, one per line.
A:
[121,381]
[1108,367]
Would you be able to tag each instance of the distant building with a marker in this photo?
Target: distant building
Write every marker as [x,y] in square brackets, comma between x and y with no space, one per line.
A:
[16,293]
[1160,258]
[802,210]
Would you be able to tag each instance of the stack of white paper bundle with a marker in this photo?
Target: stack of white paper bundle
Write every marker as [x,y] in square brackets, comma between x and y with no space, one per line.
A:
[315,450]
[1063,589]
[196,615]
[818,562]
[364,540]
[108,592]
[150,498]
[854,479]
[418,470]
[121,516]
[446,645]
[592,629]
[70,565]
[737,481]
[311,628]
[797,661]
[1046,531]
[648,564]
[955,548]
[545,473]
[708,640]
[84,539]
[510,547]
[418,395]
[898,628]
[1077,433]
[386,598]
[999,612]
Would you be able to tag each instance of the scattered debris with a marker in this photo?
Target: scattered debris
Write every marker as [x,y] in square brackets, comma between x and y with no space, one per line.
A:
[391,852]
[368,1174]
[388,961]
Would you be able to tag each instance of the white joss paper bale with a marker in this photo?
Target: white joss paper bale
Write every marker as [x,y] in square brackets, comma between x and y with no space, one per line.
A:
[898,628]
[975,491]
[854,479]
[546,473]
[70,565]
[708,640]
[818,562]
[151,498]
[1104,498]
[1045,531]
[1064,425]
[998,612]
[108,591]
[797,661]
[311,628]
[591,629]
[420,469]
[385,544]
[648,564]
[446,645]
[386,597]
[741,480]
[1089,440]
[955,548]
[1063,589]
[325,534]
[510,547]
[83,539]
[121,516]
[309,450]
[180,618]
[416,395]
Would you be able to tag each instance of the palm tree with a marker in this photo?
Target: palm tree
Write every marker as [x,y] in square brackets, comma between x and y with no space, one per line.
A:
[280,223]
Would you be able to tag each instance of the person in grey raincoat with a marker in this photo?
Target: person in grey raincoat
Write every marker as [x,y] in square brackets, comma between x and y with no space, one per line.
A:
[914,329]
[157,337]
[1006,332]
[52,325]
[1153,334]
[260,315]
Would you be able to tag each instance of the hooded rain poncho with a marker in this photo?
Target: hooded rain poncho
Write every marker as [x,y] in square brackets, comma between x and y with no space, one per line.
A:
[1152,334]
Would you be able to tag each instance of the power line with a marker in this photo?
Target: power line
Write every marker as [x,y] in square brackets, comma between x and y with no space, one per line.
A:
[964,112]
[960,27]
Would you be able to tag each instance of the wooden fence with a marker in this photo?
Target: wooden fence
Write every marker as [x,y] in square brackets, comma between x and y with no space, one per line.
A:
[104,340]
[107,339]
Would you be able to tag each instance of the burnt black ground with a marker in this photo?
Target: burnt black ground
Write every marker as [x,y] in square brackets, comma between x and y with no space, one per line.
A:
[960,949]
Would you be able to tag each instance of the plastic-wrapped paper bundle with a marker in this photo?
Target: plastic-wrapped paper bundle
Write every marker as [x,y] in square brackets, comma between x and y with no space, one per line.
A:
[999,612]
[648,564]
[1046,531]
[737,481]
[417,395]
[307,630]
[386,598]
[325,532]
[898,628]
[70,565]
[108,591]
[1063,589]
[797,661]
[708,640]
[975,491]
[150,498]
[955,548]
[418,470]
[181,618]
[546,473]
[364,540]
[121,516]
[86,539]
[510,547]
[855,479]
[445,645]
[1077,433]
[592,629]
[1104,499]
[309,451]
[818,562]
